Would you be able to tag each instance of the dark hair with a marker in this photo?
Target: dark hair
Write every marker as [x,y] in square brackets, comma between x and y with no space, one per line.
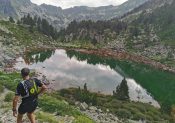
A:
[25,72]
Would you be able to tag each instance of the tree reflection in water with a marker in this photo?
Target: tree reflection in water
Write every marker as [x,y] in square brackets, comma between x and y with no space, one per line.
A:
[37,56]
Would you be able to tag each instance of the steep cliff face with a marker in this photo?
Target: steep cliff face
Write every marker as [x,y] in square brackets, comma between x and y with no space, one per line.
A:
[6,8]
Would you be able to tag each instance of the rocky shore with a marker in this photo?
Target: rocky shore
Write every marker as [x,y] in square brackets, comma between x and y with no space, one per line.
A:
[122,55]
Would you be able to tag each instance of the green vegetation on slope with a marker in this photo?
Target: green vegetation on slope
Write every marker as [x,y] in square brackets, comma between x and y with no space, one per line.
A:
[23,36]
[54,103]
[123,109]
[47,103]
[163,19]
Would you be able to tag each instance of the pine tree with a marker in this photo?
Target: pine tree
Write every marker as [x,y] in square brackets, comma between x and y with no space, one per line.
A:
[11,19]
[85,87]
[18,22]
[122,92]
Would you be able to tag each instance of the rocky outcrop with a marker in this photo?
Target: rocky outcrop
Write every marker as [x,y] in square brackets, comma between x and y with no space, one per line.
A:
[97,114]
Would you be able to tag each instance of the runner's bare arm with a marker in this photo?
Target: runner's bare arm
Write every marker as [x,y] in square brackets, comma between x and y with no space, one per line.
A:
[15,102]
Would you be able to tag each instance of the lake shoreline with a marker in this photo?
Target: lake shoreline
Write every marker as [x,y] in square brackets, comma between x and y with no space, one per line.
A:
[122,55]
[127,110]
[116,54]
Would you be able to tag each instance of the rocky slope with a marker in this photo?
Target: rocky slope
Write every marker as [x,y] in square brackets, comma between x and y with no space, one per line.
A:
[14,40]
[61,18]
[147,31]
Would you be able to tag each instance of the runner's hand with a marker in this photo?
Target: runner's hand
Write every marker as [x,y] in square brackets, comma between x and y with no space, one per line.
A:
[15,113]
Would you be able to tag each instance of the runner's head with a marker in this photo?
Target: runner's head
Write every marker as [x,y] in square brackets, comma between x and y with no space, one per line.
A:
[25,72]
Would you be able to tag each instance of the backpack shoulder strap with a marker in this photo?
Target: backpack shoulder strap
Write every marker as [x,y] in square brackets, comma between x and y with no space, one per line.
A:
[25,89]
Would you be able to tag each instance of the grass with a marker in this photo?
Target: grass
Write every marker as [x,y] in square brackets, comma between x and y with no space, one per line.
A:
[7,106]
[53,105]
[9,97]
[81,119]
[59,106]
[47,103]
[1,88]
[10,80]
[123,109]
[46,117]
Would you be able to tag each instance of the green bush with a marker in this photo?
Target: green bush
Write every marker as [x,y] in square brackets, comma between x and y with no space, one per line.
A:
[1,88]
[85,96]
[51,104]
[166,107]
[10,80]
[9,97]
[123,113]
[46,117]
[138,116]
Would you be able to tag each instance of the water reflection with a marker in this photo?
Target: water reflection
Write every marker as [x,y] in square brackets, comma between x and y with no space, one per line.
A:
[91,59]
[35,57]
[73,69]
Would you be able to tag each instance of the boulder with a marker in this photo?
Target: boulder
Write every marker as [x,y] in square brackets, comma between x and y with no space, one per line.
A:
[93,108]
[83,106]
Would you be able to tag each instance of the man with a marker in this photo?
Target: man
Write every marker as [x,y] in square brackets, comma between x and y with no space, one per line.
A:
[28,89]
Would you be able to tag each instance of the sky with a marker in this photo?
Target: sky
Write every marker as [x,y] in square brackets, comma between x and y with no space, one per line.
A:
[71,3]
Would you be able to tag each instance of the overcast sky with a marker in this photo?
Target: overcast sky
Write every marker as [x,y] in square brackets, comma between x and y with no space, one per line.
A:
[70,3]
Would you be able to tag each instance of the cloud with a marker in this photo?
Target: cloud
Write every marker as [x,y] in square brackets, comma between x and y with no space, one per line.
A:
[71,3]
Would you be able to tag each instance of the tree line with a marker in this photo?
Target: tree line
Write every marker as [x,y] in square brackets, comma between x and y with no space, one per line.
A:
[99,26]
[41,24]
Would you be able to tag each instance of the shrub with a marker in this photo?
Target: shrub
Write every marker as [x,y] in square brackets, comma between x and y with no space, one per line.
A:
[123,113]
[85,96]
[1,88]
[46,117]
[9,97]
[51,104]
[166,107]
[138,116]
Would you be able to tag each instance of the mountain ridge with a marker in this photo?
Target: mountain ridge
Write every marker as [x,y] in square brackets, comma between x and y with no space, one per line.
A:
[62,17]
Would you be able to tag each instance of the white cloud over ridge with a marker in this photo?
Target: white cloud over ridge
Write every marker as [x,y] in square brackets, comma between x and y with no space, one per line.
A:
[71,3]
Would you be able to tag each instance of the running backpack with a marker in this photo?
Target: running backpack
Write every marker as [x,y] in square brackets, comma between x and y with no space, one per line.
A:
[30,87]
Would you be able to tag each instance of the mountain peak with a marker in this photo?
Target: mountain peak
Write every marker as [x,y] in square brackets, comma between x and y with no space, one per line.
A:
[50,6]
[59,17]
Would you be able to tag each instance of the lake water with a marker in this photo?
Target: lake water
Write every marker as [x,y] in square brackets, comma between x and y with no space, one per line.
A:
[73,69]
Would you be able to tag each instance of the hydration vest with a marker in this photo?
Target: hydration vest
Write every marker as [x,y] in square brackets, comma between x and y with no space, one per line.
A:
[30,88]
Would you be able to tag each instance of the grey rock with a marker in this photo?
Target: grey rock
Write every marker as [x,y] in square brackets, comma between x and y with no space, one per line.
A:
[83,106]
[93,108]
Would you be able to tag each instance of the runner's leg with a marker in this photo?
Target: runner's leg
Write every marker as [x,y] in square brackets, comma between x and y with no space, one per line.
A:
[19,118]
[31,117]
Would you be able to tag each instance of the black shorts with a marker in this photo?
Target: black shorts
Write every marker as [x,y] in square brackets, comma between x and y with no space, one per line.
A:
[28,107]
